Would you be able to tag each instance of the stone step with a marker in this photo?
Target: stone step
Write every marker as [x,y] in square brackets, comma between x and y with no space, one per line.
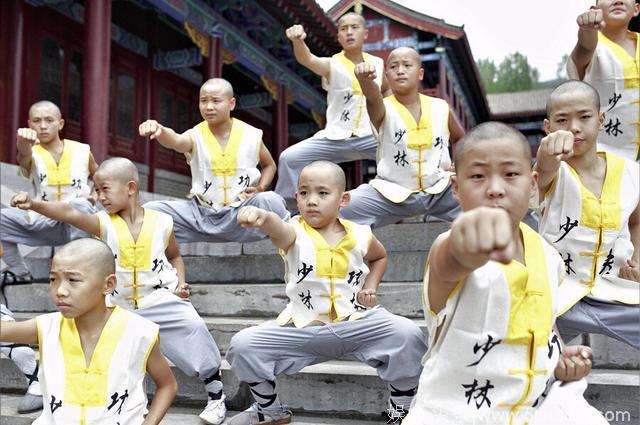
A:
[352,389]
[175,415]
[237,299]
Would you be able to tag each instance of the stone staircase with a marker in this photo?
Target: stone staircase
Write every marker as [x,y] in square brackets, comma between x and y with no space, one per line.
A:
[235,286]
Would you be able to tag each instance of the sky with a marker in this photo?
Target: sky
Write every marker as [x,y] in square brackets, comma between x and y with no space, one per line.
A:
[542,30]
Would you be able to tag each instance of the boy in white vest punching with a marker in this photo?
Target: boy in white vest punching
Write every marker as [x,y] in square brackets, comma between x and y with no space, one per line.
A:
[590,214]
[607,56]
[150,272]
[223,154]
[93,358]
[413,147]
[59,170]
[490,299]
[332,270]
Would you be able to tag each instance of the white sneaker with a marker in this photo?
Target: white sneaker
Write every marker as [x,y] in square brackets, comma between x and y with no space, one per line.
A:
[215,412]
[268,416]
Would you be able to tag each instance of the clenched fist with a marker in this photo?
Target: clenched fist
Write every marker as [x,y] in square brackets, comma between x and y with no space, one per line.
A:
[365,71]
[296,32]
[592,20]
[368,298]
[27,135]
[557,145]
[482,232]
[251,216]
[21,200]
[150,128]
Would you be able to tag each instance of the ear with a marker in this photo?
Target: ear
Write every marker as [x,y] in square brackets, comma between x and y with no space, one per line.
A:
[534,181]
[366,33]
[546,124]
[454,187]
[132,187]
[421,74]
[232,102]
[636,10]
[345,199]
[110,283]
[61,124]
[601,121]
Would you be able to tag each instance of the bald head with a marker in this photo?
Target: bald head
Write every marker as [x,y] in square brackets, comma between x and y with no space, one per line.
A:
[219,84]
[331,170]
[405,52]
[91,255]
[572,87]
[48,105]
[492,130]
[360,18]
[119,168]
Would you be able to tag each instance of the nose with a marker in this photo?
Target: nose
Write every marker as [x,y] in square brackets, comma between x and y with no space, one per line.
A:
[61,290]
[575,126]
[312,200]
[495,188]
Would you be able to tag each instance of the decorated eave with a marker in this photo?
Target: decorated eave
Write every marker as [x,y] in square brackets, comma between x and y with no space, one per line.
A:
[454,34]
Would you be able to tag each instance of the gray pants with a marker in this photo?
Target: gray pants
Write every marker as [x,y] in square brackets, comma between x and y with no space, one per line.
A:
[194,223]
[16,227]
[394,345]
[616,320]
[184,337]
[369,207]
[295,157]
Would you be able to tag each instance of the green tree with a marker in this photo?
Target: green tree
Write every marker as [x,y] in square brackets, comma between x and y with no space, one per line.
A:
[513,74]
[561,69]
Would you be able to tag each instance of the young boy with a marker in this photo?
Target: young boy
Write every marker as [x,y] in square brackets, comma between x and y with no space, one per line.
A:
[413,137]
[59,170]
[93,358]
[490,300]
[332,270]
[150,272]
[590,214]
[347,135]
[606,56]
[223,153]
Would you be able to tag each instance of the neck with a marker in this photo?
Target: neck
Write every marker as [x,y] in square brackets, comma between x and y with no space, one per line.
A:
[53,145]
[408,98]
[133,210]
[333,226]
[587,163]
[93,319]
[354,55]
[617,34]
[221,127]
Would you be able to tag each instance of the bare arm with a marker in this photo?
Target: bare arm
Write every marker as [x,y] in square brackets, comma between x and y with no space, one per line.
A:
[366,75]
[282,234]
[160,372]
[631,270]
[167,137]
[93,165]
[552,150]
[25,139]
[455,132]
[319,66]
[377,260]
[268,170]
[19,332]
[476,236]
[60,211]
[588,23]
[173,255]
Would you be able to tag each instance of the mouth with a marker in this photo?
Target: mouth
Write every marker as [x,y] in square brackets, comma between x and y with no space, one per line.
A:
[63,306]
[401,80]
[577,141]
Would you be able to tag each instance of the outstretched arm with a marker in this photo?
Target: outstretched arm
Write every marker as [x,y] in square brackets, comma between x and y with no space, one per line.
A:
[320,66]
[60,211]
[366,75]
[19,332]
[167,137]
[25,139]
[282,234]
[552,150]
[160,372]
[588,25]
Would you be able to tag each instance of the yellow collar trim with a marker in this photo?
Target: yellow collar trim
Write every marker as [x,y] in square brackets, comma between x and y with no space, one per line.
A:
[350,67]
[419,134]
[135,255]
[332,263]
[223,162]
[58,173]
[630,66]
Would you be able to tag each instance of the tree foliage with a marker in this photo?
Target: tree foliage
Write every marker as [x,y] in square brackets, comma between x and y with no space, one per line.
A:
[512,74]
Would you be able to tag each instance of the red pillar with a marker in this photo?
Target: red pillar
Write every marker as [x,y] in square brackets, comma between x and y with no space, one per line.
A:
[280,122]
[95,85]
[213,64]
[13,93]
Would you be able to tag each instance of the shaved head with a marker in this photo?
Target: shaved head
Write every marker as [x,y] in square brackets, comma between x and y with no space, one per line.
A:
[331,170]
[119,168]
[401,51]
[351,15]
[45,104]
[573,87]
[219,83]
[491,131]
[92,256]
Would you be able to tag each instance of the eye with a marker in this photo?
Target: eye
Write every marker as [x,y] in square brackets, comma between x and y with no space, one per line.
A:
[512,174]
[561,120]
[52,279]
[303,192]
[324,192]
[586,117]
[476,176]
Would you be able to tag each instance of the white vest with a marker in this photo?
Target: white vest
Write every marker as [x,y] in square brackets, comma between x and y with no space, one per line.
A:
[217,176]
[145,275]
[616,76]
[111,389]
[592,235]
[411,154]
[346,105]
[496,349]
[321,279]
[62,181]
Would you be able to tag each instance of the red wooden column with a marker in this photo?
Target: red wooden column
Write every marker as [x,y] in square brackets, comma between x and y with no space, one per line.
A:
[213,64]
[95,85]
[12,94]
[280,122]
